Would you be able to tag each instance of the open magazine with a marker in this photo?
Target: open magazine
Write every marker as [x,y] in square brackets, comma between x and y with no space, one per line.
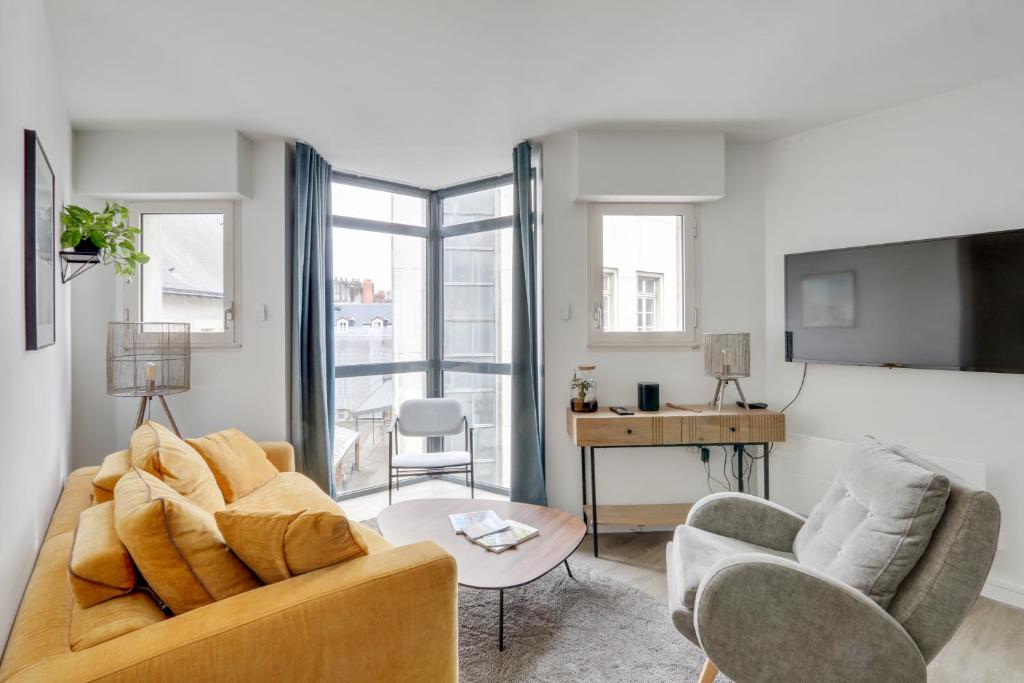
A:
[487,529]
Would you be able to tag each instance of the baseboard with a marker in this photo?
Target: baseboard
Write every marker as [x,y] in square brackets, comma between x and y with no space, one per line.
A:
[1004,591]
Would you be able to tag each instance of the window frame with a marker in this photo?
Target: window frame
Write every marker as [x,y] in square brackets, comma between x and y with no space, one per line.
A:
[597,336]
[435,364]
[231,337]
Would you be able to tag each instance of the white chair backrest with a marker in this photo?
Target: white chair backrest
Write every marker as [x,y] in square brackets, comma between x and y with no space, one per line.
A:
[430,417]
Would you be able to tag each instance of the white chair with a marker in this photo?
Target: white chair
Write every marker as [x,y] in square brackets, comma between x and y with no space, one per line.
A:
[427,417]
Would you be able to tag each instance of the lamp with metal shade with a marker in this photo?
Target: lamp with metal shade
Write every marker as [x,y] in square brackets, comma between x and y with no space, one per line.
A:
[727,358]
[148,360]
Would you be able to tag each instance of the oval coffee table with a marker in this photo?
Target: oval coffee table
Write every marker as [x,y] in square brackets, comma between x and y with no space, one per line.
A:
[427,520]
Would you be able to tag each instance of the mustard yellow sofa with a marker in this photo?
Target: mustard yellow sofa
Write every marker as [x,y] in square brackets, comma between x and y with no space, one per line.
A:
[390,615]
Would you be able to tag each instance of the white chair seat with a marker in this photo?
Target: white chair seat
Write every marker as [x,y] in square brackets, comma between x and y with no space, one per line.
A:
[428,460]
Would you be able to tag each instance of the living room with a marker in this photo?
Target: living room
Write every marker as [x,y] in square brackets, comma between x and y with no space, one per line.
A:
[362,266]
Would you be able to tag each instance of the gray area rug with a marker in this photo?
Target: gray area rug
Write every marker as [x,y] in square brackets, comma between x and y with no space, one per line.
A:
[590,628]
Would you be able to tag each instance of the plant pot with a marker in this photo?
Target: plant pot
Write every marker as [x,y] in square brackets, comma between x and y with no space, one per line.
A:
[86,246]
[578,406]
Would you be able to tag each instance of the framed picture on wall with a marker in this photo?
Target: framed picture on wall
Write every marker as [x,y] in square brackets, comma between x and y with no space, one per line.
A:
[40,253]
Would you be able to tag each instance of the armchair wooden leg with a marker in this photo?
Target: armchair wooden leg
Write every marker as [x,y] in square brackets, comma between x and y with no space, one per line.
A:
[708,672]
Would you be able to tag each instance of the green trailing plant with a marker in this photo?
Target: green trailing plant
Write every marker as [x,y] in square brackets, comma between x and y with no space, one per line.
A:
[581,385]
[108,233]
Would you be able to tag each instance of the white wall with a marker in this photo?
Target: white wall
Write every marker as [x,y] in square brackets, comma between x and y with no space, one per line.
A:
[34,397]
[730,264]
[947,165]
[166,163]
[244,387]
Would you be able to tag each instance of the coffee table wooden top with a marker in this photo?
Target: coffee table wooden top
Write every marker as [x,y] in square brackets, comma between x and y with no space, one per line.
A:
[427,520]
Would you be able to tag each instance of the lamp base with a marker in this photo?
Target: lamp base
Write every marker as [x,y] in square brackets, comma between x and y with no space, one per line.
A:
[723,384]
[141,416]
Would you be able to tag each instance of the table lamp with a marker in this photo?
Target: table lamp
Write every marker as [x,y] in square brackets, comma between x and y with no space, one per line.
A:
[148,360]
[727,358]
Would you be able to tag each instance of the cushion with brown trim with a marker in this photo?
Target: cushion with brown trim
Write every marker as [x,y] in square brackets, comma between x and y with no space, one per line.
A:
[176,544]
[159,451]
[113,468]
[277,544]
[238,463]
[99,567]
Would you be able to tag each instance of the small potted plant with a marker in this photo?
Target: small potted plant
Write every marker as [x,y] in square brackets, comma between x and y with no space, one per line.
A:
[584,390]
[106,233]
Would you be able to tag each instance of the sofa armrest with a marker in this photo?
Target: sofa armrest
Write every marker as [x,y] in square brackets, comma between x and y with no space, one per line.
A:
[746,518]
[388,616]
[281,455]
[765,618]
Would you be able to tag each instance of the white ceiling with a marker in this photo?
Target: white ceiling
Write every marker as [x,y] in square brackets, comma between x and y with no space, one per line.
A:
[433,92]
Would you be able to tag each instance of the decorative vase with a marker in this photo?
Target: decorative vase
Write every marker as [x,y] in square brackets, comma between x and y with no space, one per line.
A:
[583,390]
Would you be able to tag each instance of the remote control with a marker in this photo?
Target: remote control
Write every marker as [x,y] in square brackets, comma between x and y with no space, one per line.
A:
[619,410]
[753,406]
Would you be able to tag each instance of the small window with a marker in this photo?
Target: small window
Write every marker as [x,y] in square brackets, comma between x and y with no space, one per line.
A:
[642,277]
[190,276]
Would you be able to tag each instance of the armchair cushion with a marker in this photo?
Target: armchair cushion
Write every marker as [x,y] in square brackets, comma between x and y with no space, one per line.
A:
[238,463]
[441,459]
[874,522]
[698,551]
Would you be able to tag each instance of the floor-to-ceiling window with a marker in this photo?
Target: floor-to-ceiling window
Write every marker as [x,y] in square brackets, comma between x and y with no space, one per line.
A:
[422,306]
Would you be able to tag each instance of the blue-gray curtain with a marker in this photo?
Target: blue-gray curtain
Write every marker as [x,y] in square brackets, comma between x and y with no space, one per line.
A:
[527,438]
[312,319]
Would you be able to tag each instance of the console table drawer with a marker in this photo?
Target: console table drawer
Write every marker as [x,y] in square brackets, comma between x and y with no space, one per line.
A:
[622,431]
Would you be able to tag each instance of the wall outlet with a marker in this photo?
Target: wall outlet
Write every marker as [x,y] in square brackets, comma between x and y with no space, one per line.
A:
[705,455]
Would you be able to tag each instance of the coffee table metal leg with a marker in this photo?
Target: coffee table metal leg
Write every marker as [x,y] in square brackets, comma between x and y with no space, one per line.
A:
[567,569]
[501,620]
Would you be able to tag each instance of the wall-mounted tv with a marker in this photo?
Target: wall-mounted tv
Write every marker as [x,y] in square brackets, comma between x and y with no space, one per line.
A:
[955,303]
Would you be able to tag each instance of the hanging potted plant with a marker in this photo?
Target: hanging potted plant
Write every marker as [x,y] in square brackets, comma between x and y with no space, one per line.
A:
[106,233]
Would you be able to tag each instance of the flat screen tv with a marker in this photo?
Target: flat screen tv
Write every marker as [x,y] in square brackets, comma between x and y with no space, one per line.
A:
[955,303]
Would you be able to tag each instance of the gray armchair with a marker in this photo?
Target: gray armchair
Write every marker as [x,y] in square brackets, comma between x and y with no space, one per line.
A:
[869,587]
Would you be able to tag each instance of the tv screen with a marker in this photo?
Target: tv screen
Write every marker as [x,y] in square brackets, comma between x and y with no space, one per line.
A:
[954,303]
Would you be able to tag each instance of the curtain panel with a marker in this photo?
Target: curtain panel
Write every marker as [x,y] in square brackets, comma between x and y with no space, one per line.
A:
[527,435]
[312,319]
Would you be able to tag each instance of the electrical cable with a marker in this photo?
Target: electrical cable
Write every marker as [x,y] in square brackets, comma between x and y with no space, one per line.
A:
[799,390]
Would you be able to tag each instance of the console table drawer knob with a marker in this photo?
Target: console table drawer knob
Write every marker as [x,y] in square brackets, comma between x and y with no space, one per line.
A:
[629,431]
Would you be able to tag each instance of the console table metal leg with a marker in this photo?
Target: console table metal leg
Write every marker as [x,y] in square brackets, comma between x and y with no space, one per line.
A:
[583,477]
[739,453]
[501,620]
[593,498]
[764,459]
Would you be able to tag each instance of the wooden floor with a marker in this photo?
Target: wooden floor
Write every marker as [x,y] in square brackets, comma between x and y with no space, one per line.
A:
[988,648]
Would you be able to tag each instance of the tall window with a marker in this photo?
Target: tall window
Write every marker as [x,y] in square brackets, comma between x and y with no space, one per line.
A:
[422,306]
[190,276]
[642,281]
[647,302]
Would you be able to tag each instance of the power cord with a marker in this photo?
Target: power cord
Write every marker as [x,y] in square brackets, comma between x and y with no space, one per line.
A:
[799,390]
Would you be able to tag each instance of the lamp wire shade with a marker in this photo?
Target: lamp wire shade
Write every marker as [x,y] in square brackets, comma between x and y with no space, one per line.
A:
[148,359]
[727,355]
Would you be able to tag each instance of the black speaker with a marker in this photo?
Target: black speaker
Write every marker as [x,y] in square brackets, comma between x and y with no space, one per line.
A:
[647,397]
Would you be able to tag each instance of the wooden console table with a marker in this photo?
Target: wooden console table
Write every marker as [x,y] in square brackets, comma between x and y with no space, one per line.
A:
[692,425]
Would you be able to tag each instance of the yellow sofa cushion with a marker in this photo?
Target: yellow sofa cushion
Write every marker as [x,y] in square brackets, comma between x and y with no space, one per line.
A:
[111,619]
[100,567]
[113,468]
[278,544]
[158,451]
[176,544]
[238,463]
[289,491]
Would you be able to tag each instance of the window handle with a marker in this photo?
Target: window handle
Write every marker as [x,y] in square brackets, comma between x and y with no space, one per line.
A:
[598,316]
[229,313]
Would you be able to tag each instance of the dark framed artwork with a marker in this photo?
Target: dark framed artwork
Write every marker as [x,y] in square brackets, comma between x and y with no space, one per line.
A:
[40,254]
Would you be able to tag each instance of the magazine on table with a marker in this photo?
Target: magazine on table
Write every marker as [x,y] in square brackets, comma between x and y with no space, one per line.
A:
[476,524]
[500,541]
